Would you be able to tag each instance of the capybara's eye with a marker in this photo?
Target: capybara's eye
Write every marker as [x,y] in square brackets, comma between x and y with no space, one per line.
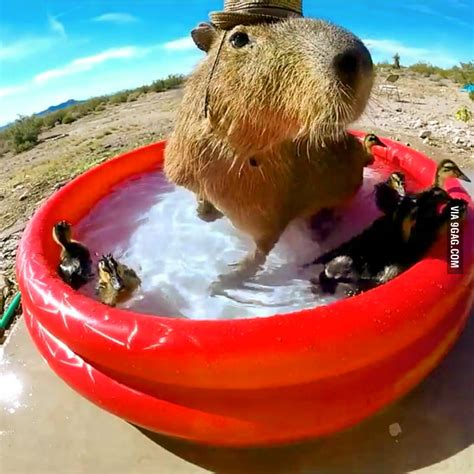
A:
[239,40]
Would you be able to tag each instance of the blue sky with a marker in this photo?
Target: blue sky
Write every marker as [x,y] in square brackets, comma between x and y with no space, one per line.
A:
[52,51]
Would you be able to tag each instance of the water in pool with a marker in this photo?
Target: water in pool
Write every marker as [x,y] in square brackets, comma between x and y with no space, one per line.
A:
[152,227]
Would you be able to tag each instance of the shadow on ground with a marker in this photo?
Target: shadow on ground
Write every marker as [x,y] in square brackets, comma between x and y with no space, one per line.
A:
[436,419]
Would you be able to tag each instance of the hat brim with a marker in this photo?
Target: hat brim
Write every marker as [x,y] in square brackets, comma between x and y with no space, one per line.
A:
[229,20]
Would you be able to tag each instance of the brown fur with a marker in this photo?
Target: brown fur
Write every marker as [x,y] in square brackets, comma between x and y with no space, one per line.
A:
[274,145]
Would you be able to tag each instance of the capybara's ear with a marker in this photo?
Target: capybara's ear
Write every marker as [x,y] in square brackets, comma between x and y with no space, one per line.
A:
[204,35]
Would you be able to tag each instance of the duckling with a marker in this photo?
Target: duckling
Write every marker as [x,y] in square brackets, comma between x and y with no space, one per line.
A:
[388,194]
[397,240]
[75,265]
[428,224]
[384,250]
[116,281]
[448,169]
[371,140]
[429,202]
[367,252]
[339,273]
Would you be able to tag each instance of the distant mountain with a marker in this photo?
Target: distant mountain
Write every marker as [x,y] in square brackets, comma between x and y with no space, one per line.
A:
[54,108]
[51,109]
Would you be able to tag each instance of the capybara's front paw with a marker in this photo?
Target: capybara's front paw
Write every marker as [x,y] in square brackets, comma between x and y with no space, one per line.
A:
[240,273]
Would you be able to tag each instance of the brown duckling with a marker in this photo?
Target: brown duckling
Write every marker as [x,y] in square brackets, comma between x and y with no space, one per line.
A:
[448,169]
[389,193]
[116,281]
[371,140]
[75,265]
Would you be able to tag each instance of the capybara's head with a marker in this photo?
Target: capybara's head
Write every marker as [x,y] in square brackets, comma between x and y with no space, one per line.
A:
[267,83]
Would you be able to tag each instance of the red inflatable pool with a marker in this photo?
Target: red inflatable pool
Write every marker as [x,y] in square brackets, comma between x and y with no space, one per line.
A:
[242,382]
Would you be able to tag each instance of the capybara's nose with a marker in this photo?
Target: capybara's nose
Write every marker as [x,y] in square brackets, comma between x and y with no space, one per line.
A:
[347,66]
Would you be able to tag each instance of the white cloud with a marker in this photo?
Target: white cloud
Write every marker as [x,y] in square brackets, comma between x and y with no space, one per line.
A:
[87,63]
[23,48]
[65,82]
[56,26]
[181,44]
[119,18]
[10,90]
[386,48]
[106,80]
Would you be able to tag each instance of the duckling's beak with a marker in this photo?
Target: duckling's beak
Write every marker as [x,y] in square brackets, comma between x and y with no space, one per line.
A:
[460,175]
[379,143]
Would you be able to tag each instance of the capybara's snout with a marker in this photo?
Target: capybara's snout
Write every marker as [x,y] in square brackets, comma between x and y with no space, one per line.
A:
[352,65]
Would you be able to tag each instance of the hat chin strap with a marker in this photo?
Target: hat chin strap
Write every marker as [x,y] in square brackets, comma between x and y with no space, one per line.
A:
[211,75]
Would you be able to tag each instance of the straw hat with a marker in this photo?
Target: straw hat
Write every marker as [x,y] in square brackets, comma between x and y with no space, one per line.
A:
[242,12]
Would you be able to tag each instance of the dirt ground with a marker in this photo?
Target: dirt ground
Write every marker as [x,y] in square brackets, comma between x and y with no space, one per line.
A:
[425,108]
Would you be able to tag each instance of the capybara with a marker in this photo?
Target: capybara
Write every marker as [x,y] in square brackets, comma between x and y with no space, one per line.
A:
[261,132]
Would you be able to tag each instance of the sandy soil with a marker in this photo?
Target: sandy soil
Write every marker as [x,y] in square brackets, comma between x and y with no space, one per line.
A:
[426,109]
[427,106]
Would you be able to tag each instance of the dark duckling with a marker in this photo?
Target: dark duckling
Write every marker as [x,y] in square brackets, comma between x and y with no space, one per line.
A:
[116,281]
[75,265]
[384,250]
[388,194]
[428,224]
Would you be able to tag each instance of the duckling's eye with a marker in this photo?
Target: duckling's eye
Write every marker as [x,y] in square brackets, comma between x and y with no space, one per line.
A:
[239,40]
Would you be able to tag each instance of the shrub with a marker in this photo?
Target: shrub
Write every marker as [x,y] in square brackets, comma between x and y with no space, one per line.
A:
[3,144]
[171,82]
[464,114]
[133,96]
[462,74]
[471,95]
[143,89]
[396,61]
[174,80]
[158,86]
[119,98]
[69,118]
[23,134]
[54,118]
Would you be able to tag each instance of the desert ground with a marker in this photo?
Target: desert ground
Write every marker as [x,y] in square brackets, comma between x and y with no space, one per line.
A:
[423,116]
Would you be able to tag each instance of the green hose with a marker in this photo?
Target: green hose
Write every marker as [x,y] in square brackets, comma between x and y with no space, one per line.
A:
[10,312]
